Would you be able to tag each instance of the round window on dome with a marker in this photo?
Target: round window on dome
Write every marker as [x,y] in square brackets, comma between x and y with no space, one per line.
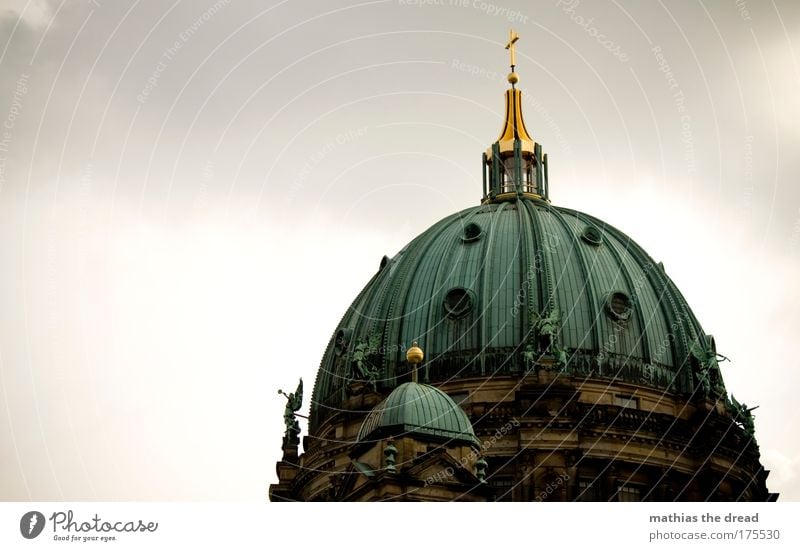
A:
[457,302]
[342,340]
[472,232]
[619,306]
[592,235]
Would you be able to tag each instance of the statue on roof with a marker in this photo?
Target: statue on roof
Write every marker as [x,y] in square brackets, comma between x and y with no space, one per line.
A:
[294,401]
[361,367]
[546,327]
[708,374]
[742,414]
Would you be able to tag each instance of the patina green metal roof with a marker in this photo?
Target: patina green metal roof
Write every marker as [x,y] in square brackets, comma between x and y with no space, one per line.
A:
[417,409]
[515,284]
[483,288]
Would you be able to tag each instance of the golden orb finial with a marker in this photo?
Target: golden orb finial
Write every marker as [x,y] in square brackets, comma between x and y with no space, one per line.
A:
[415,355]
[513,77]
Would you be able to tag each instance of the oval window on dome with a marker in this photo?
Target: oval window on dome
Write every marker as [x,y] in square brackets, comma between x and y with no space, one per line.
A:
[592,235]
[472,232]
[457,302]
[342,341]
[619,306]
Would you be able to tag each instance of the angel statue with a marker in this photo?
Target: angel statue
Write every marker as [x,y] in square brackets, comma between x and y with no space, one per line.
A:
[546,327]
[708,375]
[294,401]
[743,415]
[361,367]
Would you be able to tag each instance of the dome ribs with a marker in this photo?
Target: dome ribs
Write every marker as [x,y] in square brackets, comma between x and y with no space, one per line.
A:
[522,259]
[487,267]
[391,332]
[642,339]
[590,286]
[529,280]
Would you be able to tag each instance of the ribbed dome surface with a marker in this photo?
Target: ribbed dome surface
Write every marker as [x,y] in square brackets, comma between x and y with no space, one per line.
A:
[484,290]
[416,409]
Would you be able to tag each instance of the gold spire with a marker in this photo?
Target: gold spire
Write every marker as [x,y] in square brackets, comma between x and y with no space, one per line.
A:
[514,165]
[514,127]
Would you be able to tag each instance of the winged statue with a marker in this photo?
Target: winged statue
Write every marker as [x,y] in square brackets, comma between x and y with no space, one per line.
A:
[294,401]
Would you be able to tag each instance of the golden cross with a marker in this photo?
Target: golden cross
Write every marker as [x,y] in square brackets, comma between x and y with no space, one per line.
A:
[512,38]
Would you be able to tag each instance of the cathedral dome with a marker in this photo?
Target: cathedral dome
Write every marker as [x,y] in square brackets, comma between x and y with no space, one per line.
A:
[418,410]
[490,289]
[549,336]
[516,284]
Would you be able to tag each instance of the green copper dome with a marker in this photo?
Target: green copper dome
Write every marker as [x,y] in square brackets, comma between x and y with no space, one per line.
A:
[554,331]
[516,285]
[420,410]
[495,289]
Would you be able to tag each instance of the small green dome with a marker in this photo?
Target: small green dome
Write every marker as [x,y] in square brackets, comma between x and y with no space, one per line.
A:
[416,409]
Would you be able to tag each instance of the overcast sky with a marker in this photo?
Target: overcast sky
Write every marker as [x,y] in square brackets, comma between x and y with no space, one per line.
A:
[192,193]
